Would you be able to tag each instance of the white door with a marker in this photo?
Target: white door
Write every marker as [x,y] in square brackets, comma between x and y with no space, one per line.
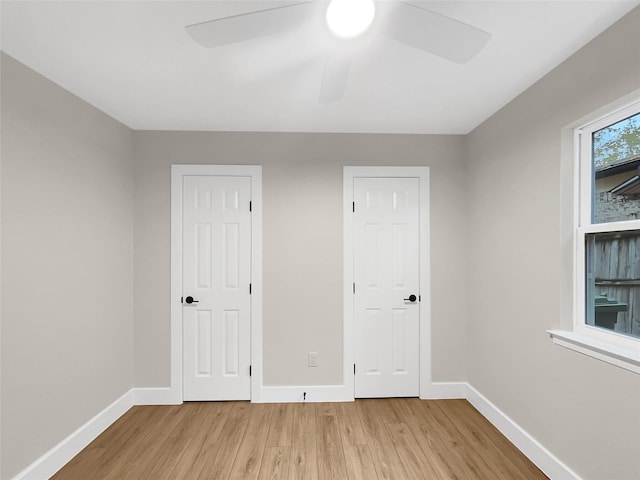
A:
[386,284]
[216,306]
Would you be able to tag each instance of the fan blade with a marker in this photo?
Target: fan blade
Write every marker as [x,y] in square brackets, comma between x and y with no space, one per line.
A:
[334,77]
[434,33]
[246,26]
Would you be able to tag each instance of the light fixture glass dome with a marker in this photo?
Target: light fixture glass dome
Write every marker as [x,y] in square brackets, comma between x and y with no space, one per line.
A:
[350,18]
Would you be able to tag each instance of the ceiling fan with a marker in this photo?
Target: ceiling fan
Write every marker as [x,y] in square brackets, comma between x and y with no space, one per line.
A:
[412,25]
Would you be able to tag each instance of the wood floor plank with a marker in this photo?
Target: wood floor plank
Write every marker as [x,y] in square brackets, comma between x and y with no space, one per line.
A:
[383,455]
[503,456]
[170,433]
[176,429]
[304,456]
[205,433]
[125,432]
[388,411]
[171,450]
[326,408]
[281,425]
[304,460]
[204,446]
[240,410]
[82,463]
[349,424]
[215,459]
[476,439]
[402,439]
[413,460]
[331,464]
[275,463]
[359,463]
[127,426]
[304,421]
[473,466]
[434,449]
[249,456]
[138,452]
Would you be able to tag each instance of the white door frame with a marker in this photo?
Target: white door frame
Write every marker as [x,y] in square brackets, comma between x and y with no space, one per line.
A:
[422,174]
[177,174]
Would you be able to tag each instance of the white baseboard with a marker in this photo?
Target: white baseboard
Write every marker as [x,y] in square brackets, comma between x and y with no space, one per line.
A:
[58,456]
[445,391]
[315,393]
[529,446]
[154,396]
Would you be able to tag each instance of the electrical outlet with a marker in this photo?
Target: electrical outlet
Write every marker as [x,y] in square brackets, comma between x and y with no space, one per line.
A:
[313,359]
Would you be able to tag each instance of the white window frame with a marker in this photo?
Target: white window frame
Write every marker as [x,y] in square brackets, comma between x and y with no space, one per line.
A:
[606,345]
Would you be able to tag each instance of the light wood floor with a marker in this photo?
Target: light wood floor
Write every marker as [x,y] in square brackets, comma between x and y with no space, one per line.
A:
[406,439]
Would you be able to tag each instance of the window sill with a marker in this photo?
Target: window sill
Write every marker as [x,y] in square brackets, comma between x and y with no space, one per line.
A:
[620,357]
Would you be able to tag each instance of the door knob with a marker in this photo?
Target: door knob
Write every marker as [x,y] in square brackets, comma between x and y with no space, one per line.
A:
[190,300]
[412,298]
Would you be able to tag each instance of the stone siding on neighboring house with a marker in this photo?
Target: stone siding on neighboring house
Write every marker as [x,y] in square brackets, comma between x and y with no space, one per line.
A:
[610,208]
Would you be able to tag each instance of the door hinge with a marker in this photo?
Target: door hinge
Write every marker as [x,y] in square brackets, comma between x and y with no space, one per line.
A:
[354,368]
[250,287]
[249,370]
[354,288]
[354,207]
[250,206]
[181,299]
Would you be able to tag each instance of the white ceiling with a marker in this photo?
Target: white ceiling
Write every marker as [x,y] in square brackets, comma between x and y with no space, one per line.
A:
[135,61]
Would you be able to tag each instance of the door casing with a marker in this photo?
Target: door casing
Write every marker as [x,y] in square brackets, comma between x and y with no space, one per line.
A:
[177,174]
[422,174]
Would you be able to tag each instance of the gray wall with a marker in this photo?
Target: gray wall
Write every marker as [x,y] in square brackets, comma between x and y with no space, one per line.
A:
[67,264]
[302,254]
[585,411]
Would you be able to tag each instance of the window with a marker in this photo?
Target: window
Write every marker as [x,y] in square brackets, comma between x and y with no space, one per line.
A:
[609,222]
[607,240]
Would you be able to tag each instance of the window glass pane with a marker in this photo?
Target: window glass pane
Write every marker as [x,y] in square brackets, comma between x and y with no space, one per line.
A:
[613,281]
[616,163]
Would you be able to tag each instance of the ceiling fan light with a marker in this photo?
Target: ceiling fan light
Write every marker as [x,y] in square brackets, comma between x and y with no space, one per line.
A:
[350,18]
